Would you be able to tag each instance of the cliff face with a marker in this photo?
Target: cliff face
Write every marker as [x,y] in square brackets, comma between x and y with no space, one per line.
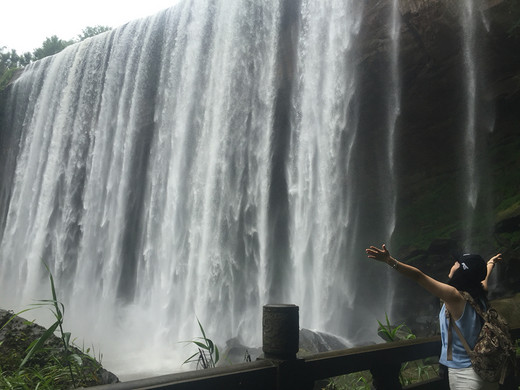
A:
[429,159]
[434,108]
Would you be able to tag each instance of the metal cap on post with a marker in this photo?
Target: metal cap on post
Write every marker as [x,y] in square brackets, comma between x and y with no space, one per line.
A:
[280,339]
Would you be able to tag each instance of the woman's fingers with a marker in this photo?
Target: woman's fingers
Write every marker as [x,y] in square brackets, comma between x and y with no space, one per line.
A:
[496,258]
[376,253]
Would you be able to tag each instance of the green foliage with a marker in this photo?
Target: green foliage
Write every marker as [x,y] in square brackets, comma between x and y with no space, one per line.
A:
[207,355]
[355,381]
[411,372]
[10,61]
[50,47]
[57,309]
[54,45]
[88,32]
[390,333]
[49,377]
[517,348]
[44,363]
[418,371]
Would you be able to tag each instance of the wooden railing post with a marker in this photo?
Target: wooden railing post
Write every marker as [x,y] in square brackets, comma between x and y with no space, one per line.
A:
[385,375]
[280,344]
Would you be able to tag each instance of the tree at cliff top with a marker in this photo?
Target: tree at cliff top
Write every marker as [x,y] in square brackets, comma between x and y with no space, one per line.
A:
[11,60]
[89,32]
[51,46]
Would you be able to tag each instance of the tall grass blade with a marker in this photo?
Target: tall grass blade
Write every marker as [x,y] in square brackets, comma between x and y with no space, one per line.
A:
[39,344]
[200,345]
[216,355]
[202,330]
[66,338]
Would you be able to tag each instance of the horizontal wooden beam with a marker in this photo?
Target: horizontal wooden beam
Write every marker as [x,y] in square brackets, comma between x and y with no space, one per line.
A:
[257,375]
[334,363]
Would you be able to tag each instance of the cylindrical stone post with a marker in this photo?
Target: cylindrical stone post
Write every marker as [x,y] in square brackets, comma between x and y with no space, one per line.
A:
[281,332]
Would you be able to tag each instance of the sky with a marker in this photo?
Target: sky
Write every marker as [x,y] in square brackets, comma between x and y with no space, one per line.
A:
[25,24]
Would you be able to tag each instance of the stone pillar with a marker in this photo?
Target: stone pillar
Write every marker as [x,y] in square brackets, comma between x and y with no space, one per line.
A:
[280,337]
[280,343]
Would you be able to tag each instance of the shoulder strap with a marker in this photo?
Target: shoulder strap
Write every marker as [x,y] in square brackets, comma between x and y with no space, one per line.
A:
[474,304]
[449,351]
[452,324]
[461,337]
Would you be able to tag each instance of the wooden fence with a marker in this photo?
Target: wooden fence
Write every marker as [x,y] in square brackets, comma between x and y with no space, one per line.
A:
[281,369]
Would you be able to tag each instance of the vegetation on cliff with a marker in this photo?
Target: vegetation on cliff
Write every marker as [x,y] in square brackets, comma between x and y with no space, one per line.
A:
[10,61]
[32,357]
[49,367]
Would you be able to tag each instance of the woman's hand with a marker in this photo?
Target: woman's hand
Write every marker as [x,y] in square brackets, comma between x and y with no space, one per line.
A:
[489,266]
[378,254]
[495,259]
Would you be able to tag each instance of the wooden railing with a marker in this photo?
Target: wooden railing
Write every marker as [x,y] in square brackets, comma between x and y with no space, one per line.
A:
[280,368]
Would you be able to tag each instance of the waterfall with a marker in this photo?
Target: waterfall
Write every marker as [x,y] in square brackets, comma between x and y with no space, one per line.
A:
[476,118]
[393,112]
[319,160]
[198,164]
[394,109]
[469,43]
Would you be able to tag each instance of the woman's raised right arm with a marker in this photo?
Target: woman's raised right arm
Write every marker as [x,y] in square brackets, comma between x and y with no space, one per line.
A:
[489,268]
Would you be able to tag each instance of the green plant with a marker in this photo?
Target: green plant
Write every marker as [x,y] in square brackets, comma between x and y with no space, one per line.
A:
[57,309]
[207,355]
[6,77]
[517,348]
[417,371]
[362,383]
[52,376]
[411,372]
[390,333]
[49,362]
[353,381]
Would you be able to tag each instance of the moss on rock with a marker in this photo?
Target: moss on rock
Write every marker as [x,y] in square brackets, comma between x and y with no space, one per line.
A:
[47,369]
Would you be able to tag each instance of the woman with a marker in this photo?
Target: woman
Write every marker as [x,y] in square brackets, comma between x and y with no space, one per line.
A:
[470,273]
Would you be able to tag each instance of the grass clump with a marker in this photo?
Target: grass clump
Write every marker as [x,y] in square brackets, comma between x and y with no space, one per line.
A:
[354,381]
[32,357]
[414,371]
[207,355]
[48,366]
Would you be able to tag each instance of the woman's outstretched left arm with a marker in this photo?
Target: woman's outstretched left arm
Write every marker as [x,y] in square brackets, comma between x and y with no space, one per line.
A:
[449,294]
